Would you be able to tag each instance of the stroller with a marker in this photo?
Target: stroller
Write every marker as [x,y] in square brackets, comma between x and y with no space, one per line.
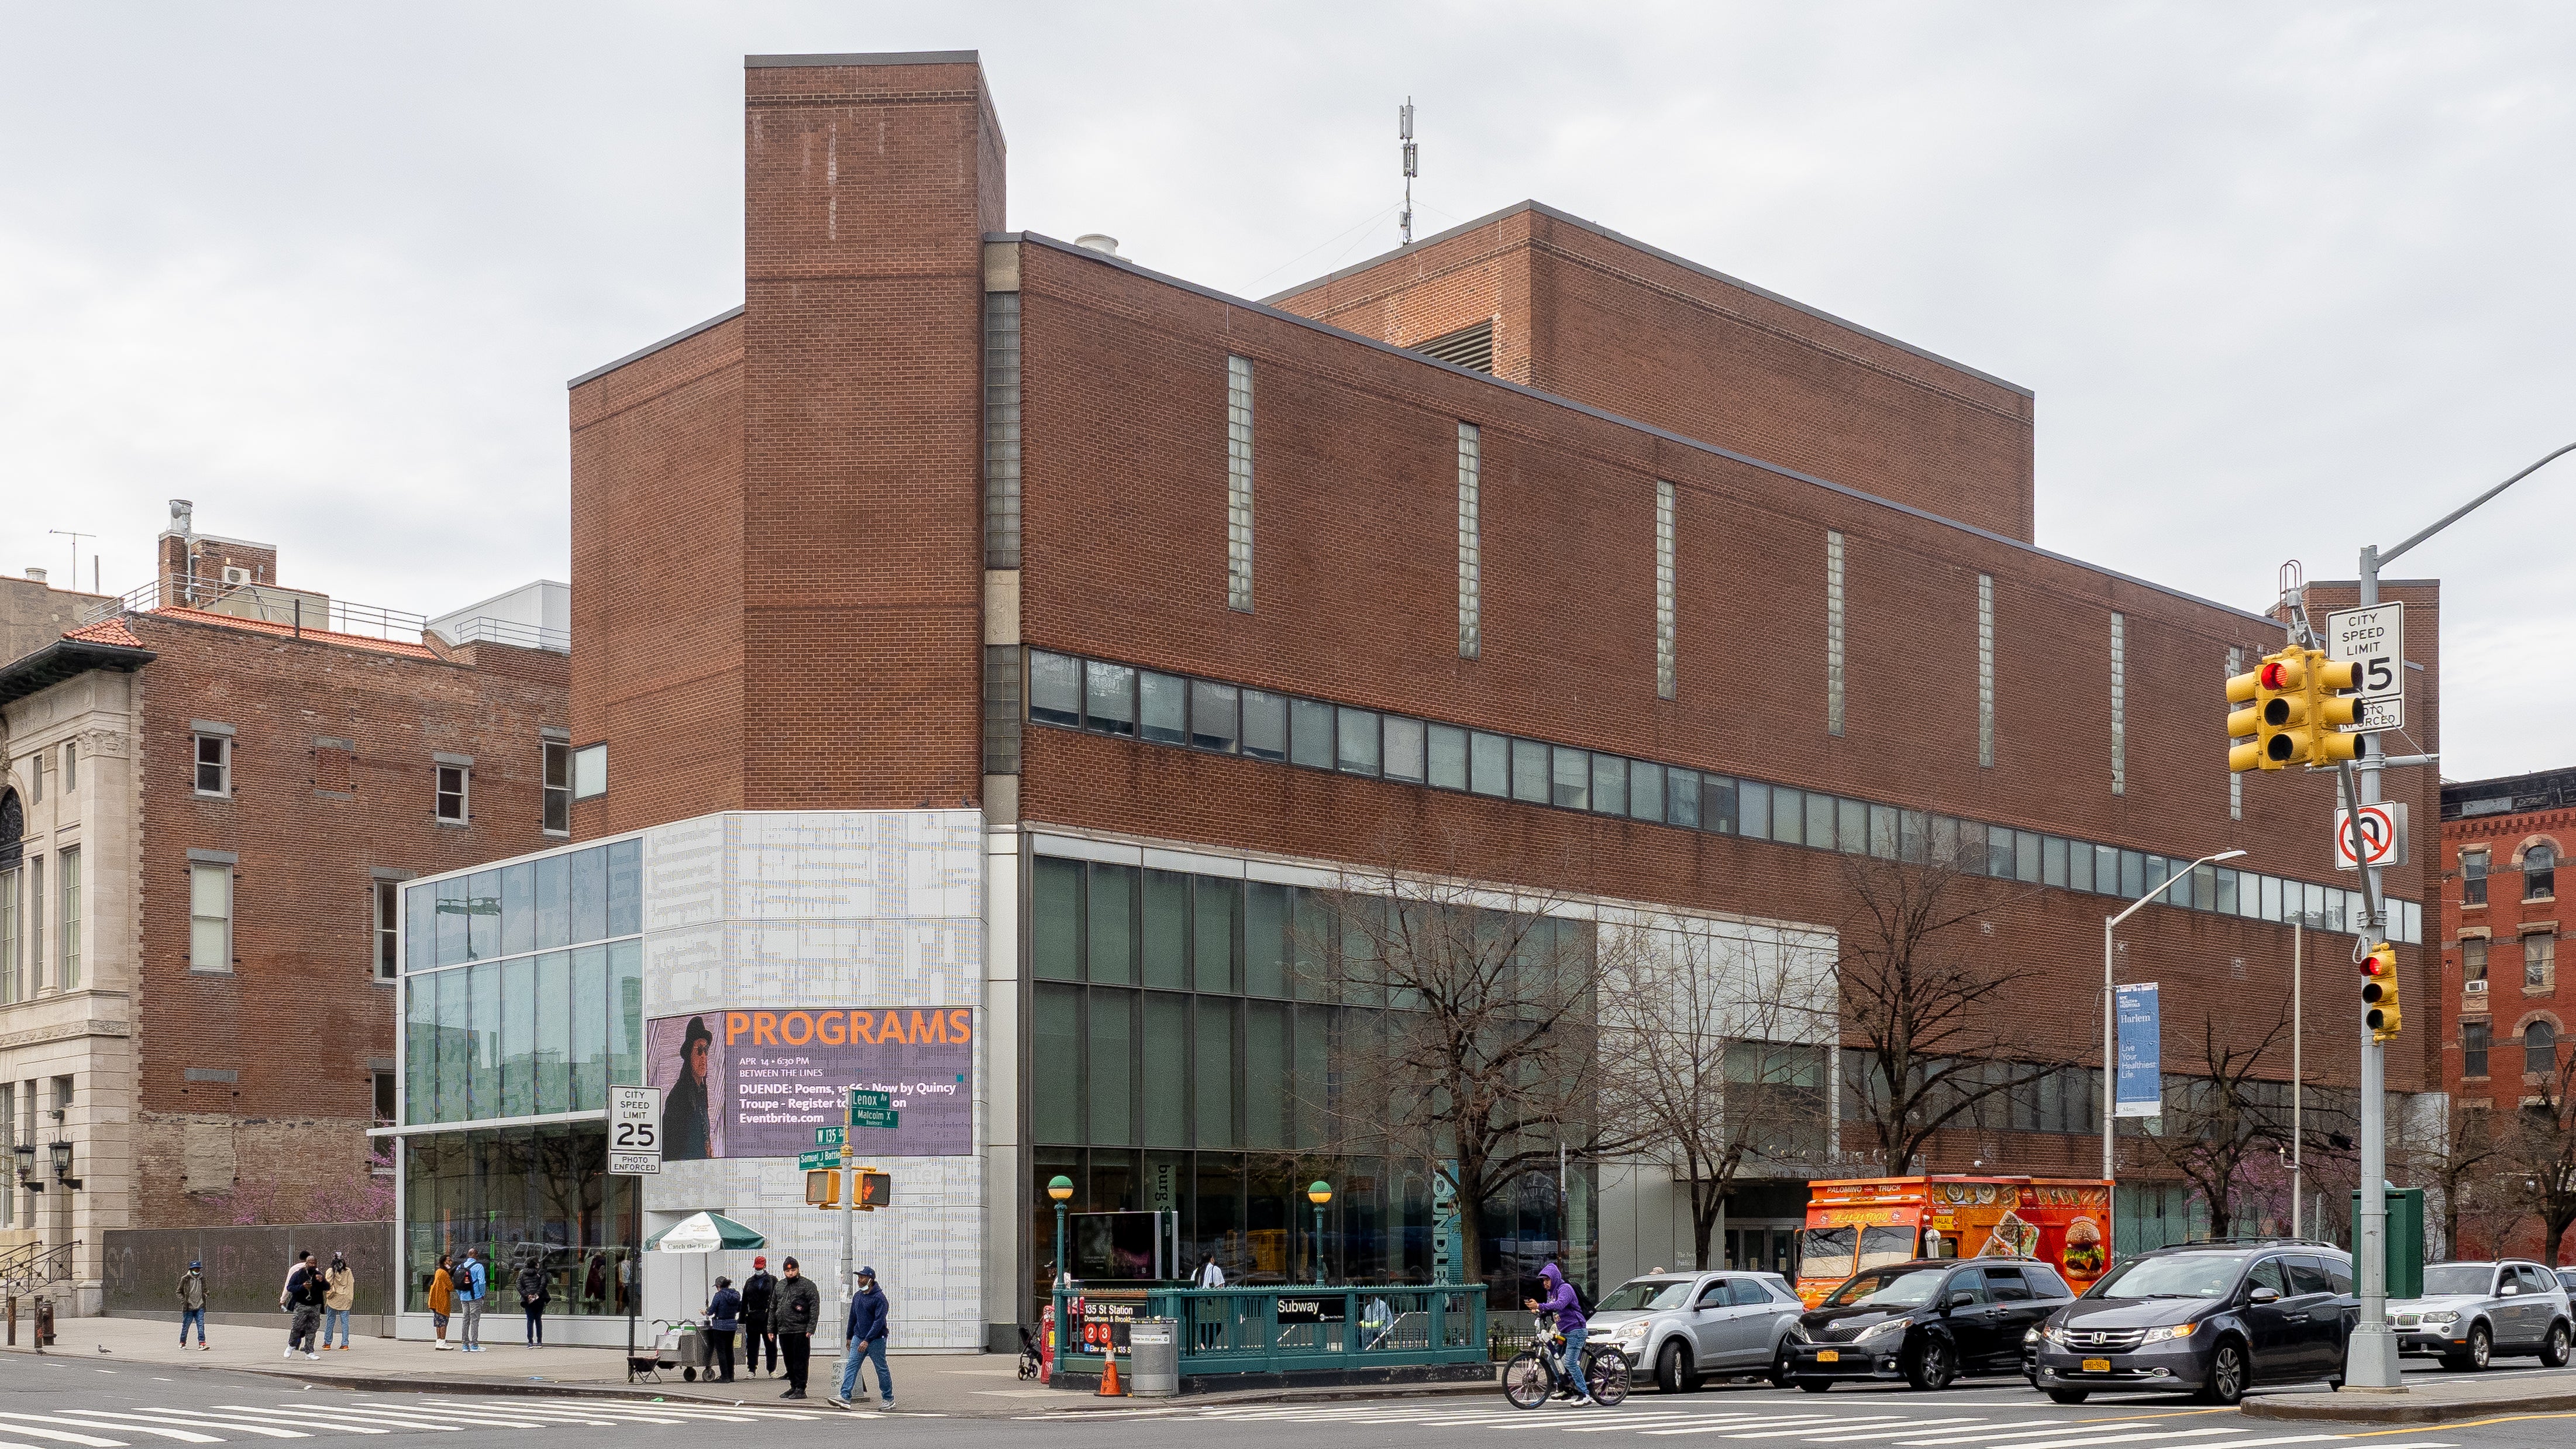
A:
[1032,1362]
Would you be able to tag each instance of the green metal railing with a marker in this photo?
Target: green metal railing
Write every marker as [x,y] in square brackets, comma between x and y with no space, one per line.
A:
[1287,1330]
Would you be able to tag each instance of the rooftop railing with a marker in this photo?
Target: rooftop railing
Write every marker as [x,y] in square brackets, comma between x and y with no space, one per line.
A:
[267,604]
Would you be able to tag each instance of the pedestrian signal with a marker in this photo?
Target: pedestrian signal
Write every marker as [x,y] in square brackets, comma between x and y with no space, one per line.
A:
[823,1188]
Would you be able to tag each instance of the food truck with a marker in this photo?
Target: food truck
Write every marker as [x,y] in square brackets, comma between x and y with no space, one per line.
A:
[1868,1222]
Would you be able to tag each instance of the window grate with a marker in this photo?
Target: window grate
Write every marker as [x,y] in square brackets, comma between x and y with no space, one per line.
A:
[1238,483]
[1002,430]
[1833,632]
[2119,704]
[1471,629]
[1002,709]
[1468,347]
[1665,666]
[1986,671]
[2235,782]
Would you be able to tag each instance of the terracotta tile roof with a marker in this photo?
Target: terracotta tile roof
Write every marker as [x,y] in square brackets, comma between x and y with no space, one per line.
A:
[107,631]
[318,636]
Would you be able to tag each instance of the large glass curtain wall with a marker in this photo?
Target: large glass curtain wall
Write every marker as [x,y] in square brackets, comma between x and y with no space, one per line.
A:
[521,1194]
[1192,1050]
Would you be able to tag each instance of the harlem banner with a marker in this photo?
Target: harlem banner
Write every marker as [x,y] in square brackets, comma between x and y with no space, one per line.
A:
[756,1082]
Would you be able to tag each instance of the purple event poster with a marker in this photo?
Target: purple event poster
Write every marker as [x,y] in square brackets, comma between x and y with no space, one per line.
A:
[756,1083]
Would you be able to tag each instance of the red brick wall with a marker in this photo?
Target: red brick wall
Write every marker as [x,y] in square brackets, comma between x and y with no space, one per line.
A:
[2509,1006]
[868,189]
[301,1015]
[657,581]
[1355,585]
[1590,317]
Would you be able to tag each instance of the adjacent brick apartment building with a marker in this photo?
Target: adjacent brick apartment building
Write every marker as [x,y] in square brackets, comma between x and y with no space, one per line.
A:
[211,793]
[2504,850]
[1025,630]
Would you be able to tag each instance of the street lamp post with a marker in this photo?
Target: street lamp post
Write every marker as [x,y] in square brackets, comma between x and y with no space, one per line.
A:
[1319,1192]
[1060,1189]
[2110,1022]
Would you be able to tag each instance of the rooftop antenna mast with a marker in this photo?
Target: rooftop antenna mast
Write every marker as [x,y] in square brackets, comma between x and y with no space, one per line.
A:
[1412,165]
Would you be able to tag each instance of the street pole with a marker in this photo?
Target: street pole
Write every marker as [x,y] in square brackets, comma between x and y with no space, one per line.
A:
[849,1211]
[2298,1076]
[2371,1357]
[2110,1022]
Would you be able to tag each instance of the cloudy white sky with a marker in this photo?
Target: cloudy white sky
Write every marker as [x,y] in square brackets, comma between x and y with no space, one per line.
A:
[2285,278]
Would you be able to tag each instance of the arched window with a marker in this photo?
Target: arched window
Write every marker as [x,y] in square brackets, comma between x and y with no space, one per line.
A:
[2539,872]
[2540,1047]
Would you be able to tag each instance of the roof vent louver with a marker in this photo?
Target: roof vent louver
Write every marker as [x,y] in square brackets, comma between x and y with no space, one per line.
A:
[1469,347]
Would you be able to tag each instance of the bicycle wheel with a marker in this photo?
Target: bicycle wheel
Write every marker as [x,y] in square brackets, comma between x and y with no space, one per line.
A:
[1526,1381]
[1606,1370]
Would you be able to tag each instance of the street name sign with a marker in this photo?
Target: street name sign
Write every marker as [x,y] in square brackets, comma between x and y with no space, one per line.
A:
[634,1132]
[819,1161]
[828,1136]
[872,1109]
[2375,639]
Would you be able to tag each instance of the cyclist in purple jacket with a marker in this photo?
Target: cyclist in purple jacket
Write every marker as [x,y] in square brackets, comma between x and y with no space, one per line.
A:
[1562,1301]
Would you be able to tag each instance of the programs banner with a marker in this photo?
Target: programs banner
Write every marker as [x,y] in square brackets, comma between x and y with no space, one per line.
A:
[756,1083]
[2142,1078]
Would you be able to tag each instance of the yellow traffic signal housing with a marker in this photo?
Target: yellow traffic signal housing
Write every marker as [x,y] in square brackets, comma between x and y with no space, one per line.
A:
[823,1187]
[2275,700]
[2379,1007]
[875,1188]
[2323,740]
[2244,726]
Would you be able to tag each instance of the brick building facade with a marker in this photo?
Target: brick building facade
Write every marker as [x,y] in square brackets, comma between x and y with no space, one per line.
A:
[206,813]
[2504,847]
[952,520]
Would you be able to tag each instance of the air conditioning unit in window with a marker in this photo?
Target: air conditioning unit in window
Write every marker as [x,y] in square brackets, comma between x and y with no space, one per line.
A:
[234,575]
[2477,987]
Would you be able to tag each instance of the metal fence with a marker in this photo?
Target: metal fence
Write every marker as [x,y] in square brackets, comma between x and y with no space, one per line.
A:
[1289,1330]
[245,1268]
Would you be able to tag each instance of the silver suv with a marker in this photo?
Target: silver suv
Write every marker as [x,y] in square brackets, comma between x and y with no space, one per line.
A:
[2472,1312]
[1694,1326]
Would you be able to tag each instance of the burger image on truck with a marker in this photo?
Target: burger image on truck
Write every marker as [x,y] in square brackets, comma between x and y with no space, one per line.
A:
[1856,1224]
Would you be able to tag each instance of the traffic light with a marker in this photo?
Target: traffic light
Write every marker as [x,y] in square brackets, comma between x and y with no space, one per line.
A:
[2294,711]
[823,1187]
[875,1188]
[2379,1009]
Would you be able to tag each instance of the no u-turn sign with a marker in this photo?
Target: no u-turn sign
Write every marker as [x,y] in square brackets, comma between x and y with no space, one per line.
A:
[2383,837]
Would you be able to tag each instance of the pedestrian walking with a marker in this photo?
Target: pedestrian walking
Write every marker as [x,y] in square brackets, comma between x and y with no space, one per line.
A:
[305,1290]
[800,1310]
[1211,1325]
[759,1309]
[471,1294]
[340,1294]
[724,1317]
[442,1299]
[863,1337]
[533,1297]
[192,1304]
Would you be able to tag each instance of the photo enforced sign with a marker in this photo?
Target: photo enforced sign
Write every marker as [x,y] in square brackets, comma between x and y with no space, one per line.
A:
[757,1082]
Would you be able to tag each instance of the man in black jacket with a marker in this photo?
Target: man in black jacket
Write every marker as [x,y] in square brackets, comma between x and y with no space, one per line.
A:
[759,1301]
[800,1308]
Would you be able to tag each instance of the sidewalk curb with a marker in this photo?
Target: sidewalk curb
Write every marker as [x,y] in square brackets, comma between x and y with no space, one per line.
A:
[2351,1408]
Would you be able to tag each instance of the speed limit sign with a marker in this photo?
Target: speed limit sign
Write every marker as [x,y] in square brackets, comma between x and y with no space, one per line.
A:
[2373,640]
[634,1132]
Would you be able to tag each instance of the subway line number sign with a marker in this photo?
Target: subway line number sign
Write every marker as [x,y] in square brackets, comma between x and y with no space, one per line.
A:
[634,1132]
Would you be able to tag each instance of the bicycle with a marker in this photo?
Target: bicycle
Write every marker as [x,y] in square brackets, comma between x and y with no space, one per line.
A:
[1533,1375]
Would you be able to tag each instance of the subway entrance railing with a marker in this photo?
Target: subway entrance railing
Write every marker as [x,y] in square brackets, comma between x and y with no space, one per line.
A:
[1278,1330]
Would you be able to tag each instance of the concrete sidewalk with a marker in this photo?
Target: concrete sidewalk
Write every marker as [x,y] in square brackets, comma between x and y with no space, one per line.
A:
[2449,1398]
[958,1385]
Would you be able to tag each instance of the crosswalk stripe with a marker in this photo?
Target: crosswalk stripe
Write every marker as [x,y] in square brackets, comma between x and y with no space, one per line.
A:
[1811,1420]
[2160,1435]
[1770,1431]
[1632,1421]
[92,1414]
[182,1435]
[661,1413]
[420,1418]
[490,1416]
[2091,1426]
[193,1416]
[515,1411]
[1891,1431]
[323,1417]
[59,1435]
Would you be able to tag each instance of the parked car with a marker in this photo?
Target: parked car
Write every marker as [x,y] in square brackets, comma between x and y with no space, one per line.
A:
[2567,1279]
[1928,1322]
[1694,1326]
[2212,1319]
[2471,1312]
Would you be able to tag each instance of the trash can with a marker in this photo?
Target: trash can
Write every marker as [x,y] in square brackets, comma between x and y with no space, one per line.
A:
[1154,1358]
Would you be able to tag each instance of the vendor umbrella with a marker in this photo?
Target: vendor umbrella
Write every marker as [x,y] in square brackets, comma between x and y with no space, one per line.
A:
[705,1233]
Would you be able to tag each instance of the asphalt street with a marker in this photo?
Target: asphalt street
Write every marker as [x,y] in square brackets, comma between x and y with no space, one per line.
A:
[71,1402]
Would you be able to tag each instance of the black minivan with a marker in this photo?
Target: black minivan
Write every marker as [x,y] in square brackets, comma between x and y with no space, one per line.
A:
[1927,1322]
[2211,1319]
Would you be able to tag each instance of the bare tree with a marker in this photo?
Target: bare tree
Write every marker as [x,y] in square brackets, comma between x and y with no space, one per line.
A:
[1930,1026]
[2543,1161]
[1712,1054]
[1483,1059]
[2220,1126]
[2458,1157]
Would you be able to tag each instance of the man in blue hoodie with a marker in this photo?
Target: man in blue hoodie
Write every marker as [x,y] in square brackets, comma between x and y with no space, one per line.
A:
[1562,1301]
[864,1337]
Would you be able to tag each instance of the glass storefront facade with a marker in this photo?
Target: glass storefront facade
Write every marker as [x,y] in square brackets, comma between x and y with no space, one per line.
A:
[523,999]
[1191,1044]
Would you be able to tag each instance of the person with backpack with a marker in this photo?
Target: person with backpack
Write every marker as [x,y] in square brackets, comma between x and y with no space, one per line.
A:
[302,1298]
[471,1294]
[1565,1301]
[192,1304]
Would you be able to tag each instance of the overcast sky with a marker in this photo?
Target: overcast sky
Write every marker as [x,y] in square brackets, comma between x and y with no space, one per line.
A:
[2286,279]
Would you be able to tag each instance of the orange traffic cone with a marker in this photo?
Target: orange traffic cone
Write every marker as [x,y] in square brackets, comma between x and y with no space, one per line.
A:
[1110,1388]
